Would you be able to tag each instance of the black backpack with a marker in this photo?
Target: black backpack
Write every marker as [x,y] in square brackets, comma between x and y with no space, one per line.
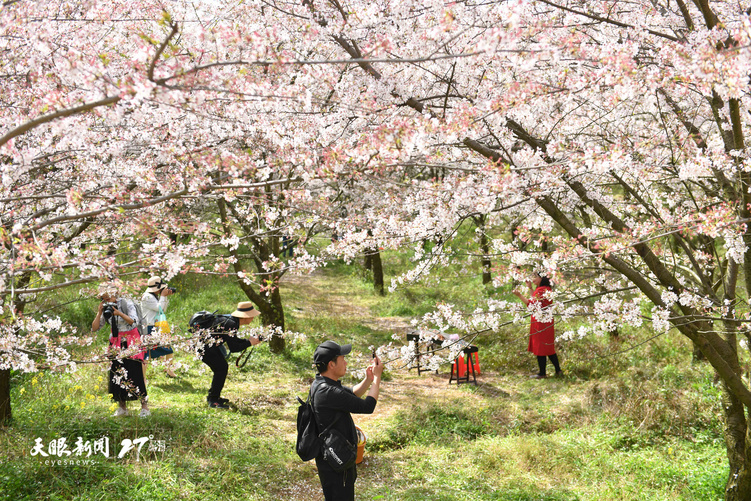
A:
[203,320]
[308,444]
[329,444]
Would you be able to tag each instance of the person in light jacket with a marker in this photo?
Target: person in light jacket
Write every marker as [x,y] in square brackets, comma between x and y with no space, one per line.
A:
[156,296]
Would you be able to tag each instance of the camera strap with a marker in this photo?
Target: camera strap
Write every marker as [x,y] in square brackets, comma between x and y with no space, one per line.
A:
[238,362]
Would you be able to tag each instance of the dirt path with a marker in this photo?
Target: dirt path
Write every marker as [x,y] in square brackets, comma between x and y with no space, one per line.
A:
[323,296]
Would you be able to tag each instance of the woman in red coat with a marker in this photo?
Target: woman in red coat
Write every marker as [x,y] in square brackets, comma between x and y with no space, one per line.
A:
[541,334]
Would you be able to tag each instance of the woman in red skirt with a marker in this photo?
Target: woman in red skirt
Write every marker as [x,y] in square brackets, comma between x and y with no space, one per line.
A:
[541,334]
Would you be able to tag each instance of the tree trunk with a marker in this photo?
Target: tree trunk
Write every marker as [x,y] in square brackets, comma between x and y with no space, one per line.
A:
[18,307]
[272,311]
[5,412]
[485,249]
[274,315]
[697,355]
[368,261]
[738,487]
[378,273]
[373,262]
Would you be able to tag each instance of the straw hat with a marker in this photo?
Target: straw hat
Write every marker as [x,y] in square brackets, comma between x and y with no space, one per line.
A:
[245,310]
[155,284]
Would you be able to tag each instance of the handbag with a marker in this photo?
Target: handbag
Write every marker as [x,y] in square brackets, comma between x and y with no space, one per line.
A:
[160,322]
[338,452]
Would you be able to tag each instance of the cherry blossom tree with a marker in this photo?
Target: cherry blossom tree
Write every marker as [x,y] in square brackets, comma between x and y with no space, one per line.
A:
[124,121]
[121,121]
[607,137]
[614,140]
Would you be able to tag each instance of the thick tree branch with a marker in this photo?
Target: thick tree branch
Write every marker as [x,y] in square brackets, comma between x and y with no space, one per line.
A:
[710,19]
[160,50]
[645,252]
[607,20]
[22,129]
[693,130]
[354,51]
[686,15]
[483,150]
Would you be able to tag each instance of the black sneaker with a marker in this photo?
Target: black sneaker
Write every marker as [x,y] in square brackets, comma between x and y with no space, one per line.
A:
[215,404]
[220,399]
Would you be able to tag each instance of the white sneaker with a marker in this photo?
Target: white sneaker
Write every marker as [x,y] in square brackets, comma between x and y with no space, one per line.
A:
[120,412]
[145,413]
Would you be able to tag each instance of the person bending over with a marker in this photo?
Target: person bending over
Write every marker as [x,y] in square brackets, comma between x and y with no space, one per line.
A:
[223,332]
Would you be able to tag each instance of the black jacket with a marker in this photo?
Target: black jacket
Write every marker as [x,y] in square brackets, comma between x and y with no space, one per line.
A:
[331,399]
[225,328]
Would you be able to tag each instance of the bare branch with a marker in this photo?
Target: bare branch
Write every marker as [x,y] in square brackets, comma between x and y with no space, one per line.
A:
[607,20]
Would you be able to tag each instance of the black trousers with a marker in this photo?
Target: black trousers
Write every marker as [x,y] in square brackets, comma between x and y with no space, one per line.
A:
[218,364]
[541,363]
[336,486]
[132,387]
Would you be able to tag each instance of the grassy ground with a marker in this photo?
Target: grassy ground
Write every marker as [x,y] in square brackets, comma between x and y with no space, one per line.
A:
[643,425]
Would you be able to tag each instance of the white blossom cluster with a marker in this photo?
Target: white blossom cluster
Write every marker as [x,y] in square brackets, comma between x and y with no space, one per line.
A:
[569,143]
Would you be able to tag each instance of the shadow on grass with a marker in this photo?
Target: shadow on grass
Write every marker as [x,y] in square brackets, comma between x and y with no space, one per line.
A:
[491,390]
[177,386]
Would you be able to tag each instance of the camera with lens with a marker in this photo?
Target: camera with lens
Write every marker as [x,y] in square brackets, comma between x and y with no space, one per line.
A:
[108,311]
[171,289]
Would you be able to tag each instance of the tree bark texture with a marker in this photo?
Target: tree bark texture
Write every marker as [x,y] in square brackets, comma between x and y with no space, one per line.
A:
[738,487]
[378,273]
[5,409]
[274,315]
[485,249]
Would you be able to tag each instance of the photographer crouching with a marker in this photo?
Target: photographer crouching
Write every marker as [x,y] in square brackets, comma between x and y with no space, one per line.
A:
[223,330]
[126,374]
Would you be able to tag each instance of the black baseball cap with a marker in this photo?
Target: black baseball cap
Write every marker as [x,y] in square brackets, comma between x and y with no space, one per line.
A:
[328,351]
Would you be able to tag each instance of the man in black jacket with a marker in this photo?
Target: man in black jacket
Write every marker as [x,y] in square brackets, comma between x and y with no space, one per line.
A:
[333,403]
[224,331]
